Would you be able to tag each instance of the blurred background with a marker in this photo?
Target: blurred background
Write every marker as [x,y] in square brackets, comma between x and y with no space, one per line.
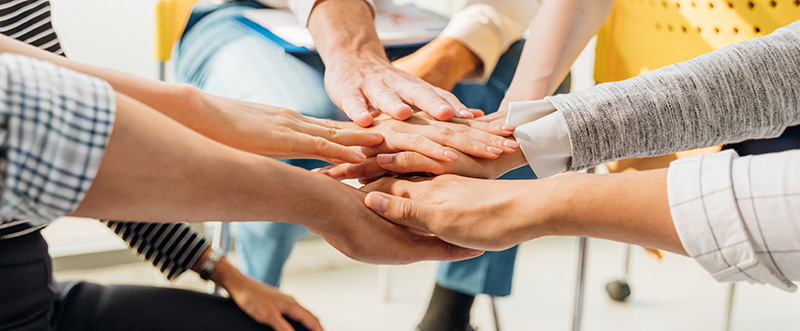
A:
[671,294]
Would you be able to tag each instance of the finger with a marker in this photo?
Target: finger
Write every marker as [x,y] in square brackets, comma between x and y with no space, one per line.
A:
[278,322]
[423,96]
[433,248]
[305,317]
[322,147]
[477,112]
[499,129]
[408,162]
[342,136]
[366,169]
[461,110]
[421,144]
[386,100]
[355,106]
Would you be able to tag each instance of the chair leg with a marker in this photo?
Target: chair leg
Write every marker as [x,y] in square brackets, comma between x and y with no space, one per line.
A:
[619,290]
[162,71]
[729,307]
[577,308]
[383,283]
[494,314]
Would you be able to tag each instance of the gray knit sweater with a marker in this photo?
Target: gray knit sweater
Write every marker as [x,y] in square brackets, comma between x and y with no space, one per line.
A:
[744,91]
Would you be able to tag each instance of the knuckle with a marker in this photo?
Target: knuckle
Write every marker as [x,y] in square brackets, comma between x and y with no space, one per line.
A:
[445,131]
[417,140]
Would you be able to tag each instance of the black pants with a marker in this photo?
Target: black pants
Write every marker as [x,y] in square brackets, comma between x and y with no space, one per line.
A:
[31,300]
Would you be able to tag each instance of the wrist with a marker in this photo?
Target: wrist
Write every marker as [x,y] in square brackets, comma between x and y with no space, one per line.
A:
[337,39]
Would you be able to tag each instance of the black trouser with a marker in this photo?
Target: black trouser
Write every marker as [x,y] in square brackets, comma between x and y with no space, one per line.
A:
[30,300]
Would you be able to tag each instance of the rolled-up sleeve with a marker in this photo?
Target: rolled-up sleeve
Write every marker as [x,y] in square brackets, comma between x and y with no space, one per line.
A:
[739,218]
[489,27]
[54,127]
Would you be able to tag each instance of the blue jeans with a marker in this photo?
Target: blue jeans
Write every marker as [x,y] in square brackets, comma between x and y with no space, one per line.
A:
[221,57]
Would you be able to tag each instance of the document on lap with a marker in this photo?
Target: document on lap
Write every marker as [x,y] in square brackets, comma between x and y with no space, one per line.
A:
[396,25]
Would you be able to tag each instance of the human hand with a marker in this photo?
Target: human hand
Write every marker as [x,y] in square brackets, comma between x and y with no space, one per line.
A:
[362,235]
[279,132]
[429,137]
[467,212]
[263,303]
[358,85]
[443,62]
[409,162]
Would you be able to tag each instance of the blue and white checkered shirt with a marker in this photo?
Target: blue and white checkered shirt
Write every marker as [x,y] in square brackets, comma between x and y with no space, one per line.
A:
[54,126]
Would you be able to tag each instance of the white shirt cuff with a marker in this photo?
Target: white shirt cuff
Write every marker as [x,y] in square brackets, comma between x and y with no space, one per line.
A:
[708,221]
[543,136]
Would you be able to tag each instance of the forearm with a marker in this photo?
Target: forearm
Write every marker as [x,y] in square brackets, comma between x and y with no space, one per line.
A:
[744,91]
[181,102]
[343,29]
[559,33]
[180,175]
[630,207]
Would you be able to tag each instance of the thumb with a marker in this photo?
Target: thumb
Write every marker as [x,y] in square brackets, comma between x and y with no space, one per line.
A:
[400,211]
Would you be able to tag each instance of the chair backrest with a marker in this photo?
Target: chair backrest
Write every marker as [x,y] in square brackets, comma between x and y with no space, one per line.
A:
[643,35]
[170,18]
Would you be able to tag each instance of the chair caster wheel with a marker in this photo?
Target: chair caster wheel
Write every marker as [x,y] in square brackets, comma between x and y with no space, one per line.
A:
[618,290]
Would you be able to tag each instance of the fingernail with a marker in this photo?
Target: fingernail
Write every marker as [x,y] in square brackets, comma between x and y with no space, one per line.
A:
[494,150]
[474,252]
[316,170]
[375,135]
[452,156]
[385,158]
[365,114]
[465,114]
[508,127]
[377,203]
[511,143]
[358,155]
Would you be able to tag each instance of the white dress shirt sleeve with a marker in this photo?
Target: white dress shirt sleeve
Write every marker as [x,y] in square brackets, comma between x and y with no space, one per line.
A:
[302,8]
[489,27]
[542,135]
[739,218]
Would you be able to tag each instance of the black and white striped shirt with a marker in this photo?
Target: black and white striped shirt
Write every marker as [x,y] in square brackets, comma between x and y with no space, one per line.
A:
[170,247]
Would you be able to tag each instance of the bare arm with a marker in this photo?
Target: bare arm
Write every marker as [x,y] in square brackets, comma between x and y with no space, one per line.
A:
[358,74]
[495,215]
[559,33]
[155,169]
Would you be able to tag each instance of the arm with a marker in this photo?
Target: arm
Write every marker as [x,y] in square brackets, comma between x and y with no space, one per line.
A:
[744,91]
[151,168]
[472,43]
[559,33]
[358,74]
[245,125]
[737,217]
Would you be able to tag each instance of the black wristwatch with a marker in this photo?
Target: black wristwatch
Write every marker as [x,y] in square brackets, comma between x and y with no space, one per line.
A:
[210,263]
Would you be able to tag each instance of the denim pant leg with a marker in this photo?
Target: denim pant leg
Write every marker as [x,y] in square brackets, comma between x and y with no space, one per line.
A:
[221,58]
[492,272]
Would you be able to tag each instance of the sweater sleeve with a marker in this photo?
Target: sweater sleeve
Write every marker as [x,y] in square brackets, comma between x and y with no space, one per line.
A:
[744,91]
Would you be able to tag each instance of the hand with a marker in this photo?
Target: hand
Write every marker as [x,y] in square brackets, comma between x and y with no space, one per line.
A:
[263,303]
[358,84]
[423,134]
[362,235]
[414,162]
[279,132]
[443,62]
[359,76]
[467,212]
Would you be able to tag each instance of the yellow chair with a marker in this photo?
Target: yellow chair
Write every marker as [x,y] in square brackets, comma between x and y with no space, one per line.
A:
[643,35]
[170,19]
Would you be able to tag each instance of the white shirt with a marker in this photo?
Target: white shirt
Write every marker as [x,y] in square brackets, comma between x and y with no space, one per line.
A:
[739,218]
[486,27]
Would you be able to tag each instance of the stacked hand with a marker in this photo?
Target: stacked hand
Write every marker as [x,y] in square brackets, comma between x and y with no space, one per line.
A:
[422,144]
